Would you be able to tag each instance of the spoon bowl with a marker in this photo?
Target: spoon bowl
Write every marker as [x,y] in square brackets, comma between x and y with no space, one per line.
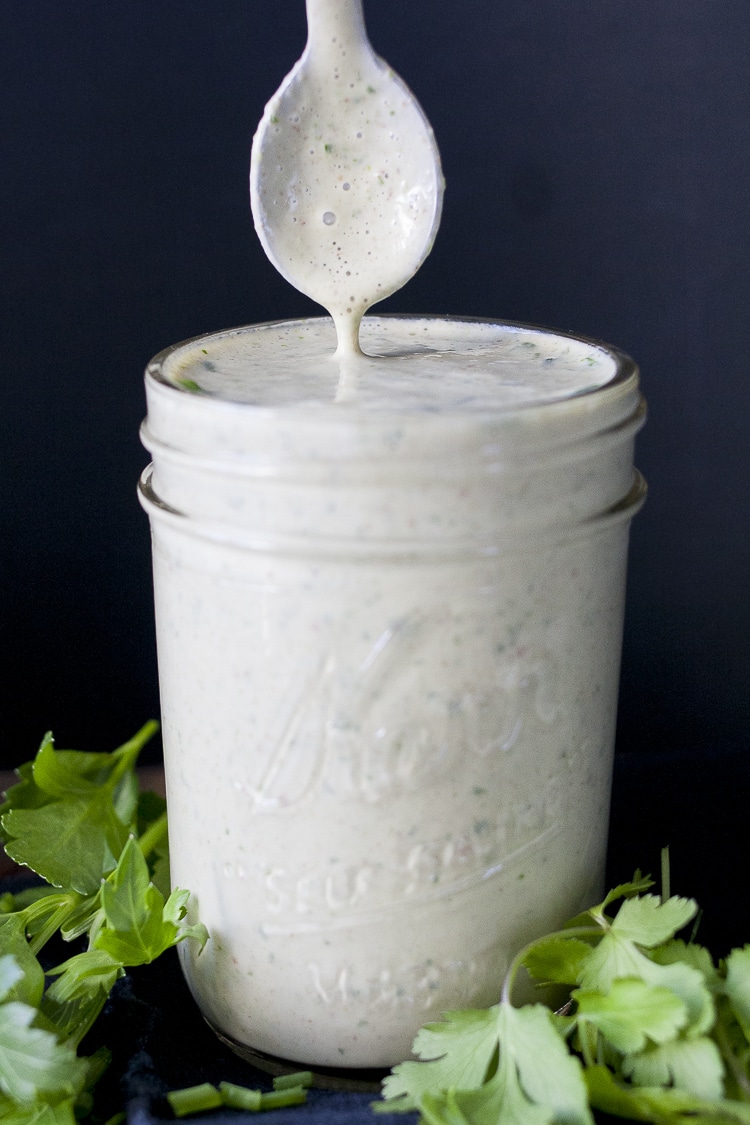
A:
[345,179]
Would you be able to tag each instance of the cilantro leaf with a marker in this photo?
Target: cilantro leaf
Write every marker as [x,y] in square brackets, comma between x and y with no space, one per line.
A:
[33,1063]
[138,924]
[556,959]
[690,1064]
[11,974]
[665,1106]
[636,886]
[536,1082]
[550,1076]
[631,1013]
[612,959]
[616,958]
[456,1053]
[689,984]
[25,794]
[70,843]
[28,982]
[65,822]
[69,773]
[438,1109]
[647,921]
[691,954]
[73,1001]
[500,1099]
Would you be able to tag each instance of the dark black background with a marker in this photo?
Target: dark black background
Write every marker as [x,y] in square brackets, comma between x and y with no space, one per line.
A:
[597,161]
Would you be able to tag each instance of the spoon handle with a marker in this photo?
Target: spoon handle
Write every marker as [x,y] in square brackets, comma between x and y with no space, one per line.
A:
[335,28]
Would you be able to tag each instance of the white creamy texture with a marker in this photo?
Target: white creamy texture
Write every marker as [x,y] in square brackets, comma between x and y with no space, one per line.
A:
[412,364]
[388,670]
[346,184]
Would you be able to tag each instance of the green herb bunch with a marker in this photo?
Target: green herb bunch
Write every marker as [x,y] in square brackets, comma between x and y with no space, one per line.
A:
[78,820]
[653,1031]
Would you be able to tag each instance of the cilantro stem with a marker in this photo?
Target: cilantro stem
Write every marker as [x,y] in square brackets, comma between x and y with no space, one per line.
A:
[585,1032]
[665,890]
[56,908]
[51,926]
[140,738]
[127,754]
[153,835]
[731,1060]
[518,960]
[695,926]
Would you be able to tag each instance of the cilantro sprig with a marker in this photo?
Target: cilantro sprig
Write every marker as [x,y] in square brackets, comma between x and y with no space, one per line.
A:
[653,1031]
[79,822]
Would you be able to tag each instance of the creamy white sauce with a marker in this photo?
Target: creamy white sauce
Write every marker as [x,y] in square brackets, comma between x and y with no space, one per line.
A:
[413,364]
[388,645]
[346,184]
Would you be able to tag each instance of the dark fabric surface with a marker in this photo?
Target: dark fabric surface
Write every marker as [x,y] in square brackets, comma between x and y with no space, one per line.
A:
[160,1043]
[695,805]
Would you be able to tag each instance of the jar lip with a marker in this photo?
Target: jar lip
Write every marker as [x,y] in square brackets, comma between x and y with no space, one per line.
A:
[482,461]
[626,372]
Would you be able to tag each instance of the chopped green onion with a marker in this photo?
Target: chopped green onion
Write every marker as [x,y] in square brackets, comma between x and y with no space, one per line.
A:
[286,1081]
[194,1099]
[279,1099]
[240,1097]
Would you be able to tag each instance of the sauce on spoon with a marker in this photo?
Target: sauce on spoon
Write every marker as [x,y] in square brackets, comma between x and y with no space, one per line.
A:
[345,178]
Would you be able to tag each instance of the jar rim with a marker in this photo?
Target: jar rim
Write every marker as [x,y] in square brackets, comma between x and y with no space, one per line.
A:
[626,371]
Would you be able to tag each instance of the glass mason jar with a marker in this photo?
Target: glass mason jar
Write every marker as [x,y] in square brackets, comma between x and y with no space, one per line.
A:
[389,634]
